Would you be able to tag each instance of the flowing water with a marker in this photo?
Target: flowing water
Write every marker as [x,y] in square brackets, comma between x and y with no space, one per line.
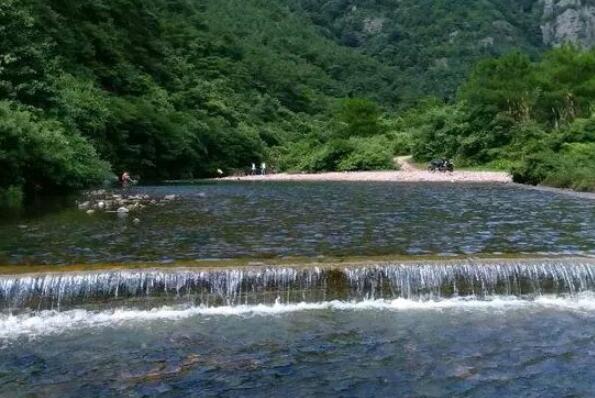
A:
[231,220]
[416,328]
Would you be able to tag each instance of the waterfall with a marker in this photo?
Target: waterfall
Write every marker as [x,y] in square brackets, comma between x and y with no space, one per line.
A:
[268,284]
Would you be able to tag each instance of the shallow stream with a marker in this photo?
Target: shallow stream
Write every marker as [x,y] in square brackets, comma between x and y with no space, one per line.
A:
[460,325]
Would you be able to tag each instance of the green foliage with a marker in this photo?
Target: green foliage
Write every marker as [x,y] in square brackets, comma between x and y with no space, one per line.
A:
[368,154]
[41,154]
[354,139]
[180,88]
[434,132]
[433,44]
[11,197]
[534,118]
[361,118]
[566,158]
[177,88]
[340,154]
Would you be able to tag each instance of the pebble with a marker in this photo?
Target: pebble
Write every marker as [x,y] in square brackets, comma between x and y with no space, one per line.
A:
[403,175]
[121,204]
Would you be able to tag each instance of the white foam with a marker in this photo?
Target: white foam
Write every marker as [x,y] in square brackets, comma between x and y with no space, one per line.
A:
[52,322]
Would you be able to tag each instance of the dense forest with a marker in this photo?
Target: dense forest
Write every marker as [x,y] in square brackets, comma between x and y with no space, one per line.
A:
[432,44]
[179,88]
[536,119]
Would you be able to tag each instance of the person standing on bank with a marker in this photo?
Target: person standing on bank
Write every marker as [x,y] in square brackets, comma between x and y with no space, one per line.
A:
[126,180]
[253,170]
[263,168]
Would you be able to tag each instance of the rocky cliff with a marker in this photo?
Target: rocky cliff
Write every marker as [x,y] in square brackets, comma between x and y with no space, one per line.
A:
[569,21]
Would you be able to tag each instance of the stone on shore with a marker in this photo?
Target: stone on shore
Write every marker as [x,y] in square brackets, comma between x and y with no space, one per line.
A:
[120,203]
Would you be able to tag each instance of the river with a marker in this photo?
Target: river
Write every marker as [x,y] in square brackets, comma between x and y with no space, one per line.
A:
[272,220]
[311,289]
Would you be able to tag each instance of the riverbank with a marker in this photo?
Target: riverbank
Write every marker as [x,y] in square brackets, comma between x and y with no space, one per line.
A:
[408,172]
[387,176]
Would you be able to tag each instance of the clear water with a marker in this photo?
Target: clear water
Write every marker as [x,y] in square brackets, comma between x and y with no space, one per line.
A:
[310,219]
[504,347]
[469,328]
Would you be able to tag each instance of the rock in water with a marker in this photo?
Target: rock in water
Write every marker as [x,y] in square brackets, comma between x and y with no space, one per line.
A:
[123,210]
[90,212]
[169,197]
[136,221]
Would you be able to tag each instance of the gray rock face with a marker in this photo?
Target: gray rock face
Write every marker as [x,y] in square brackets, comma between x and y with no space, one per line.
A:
[569,21]
[373,25]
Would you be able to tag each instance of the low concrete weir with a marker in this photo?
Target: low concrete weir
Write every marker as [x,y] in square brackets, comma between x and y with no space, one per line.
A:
[423,281]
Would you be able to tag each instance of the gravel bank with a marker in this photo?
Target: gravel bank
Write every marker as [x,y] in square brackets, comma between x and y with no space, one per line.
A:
[401,175]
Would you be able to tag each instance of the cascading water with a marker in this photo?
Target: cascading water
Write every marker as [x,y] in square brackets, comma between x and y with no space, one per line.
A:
[266,285]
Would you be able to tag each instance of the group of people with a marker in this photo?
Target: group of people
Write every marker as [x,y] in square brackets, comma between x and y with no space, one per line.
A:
[263,169]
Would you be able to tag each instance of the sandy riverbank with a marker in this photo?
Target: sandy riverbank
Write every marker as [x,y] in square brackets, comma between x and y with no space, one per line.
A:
[417,176]
[407,173]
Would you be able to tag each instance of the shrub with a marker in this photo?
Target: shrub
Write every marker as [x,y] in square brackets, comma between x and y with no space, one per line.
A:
[42,155]
[368,154]
[11,197]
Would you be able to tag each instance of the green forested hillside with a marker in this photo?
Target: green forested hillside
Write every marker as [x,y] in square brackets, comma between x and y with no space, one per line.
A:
[431,44]
[164,88]
[180,88]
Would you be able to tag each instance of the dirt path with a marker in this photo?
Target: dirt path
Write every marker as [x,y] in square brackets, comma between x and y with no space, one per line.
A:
[405,164]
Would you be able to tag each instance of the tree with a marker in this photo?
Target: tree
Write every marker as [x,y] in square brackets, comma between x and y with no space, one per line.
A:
[360,118]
